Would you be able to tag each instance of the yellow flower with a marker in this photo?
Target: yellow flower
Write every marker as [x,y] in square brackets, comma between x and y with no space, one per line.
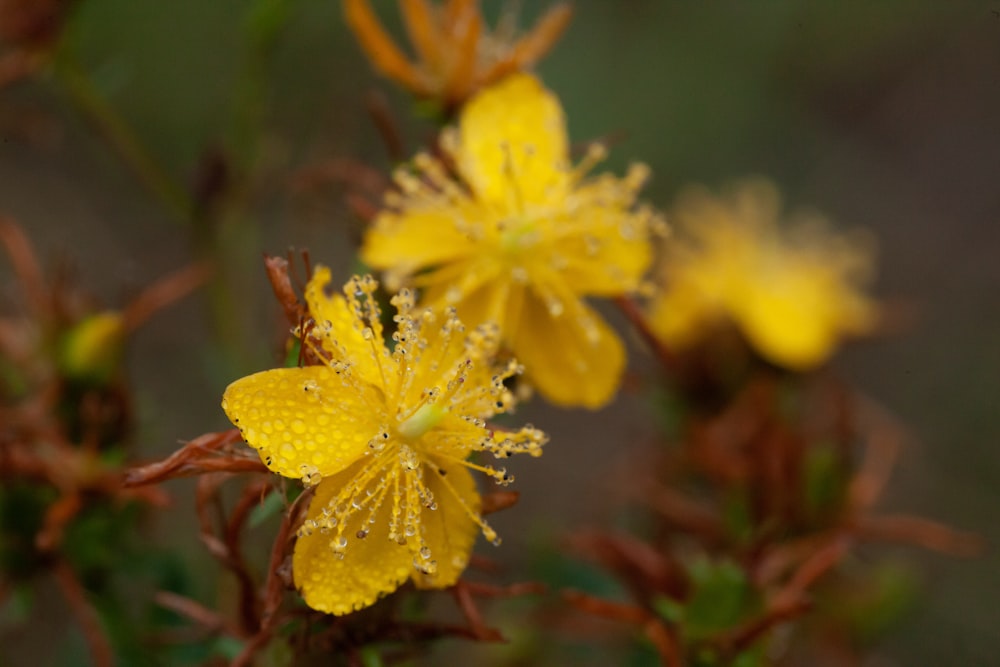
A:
[385,436]
[792,294]
[456,54]
[519,237]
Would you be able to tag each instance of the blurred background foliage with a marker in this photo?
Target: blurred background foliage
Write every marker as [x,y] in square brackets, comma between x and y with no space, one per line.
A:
[882,115]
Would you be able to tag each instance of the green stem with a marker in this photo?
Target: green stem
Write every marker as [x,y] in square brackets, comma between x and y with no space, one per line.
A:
[121,138]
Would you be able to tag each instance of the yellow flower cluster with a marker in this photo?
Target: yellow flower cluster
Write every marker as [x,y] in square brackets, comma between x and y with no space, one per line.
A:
[518,236]
[501,231]
[793,294]
[385,436]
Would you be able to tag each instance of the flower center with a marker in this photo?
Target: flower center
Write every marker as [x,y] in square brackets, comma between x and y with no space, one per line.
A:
[517,234]
[421,421]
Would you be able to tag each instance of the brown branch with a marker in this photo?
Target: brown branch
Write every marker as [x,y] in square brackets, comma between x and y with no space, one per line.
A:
[252,497]
[285,538]
[813,568]
[778,612]
[923,532]
[655,630]
[255,643]
[202,455]
[209,619]
[685,513]
[482,632]
[86,615]
[632,311]
[273,587]
[281,284]
[25,262]
[57,517]
[645,570]
[388,129]
[880,458]
[510,590]
[792,599]
[162,293]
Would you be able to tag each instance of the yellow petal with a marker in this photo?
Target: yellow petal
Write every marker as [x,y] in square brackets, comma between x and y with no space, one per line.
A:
[680,316]
[450,532]
[301,420]
[343,336]
[370,568]
[573,358]
[787,331]
[796,315]
[479,296]
[416,240]
[375,565]
[512,146]
[614,266]
[609,250]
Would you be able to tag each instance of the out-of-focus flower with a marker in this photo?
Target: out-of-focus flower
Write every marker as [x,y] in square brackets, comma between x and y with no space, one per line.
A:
[456,53]
[91,350]
[519,237]
[794,294]
[385,436]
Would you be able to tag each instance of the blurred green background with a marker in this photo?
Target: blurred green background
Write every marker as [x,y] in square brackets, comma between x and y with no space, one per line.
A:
[883,115]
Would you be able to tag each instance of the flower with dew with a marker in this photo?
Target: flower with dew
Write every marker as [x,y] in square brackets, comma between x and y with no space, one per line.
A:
[506,229]
[385,436]
[456,53]
[793,293]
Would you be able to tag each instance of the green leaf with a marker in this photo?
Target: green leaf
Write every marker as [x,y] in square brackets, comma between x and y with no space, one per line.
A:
[228,647]
[669,609]
[294,352]
[370,657]
[273,505]
[825,481]
[737,517]
[873,603]
[722,597]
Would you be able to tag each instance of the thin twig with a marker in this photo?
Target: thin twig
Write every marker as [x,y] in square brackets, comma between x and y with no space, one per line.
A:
[122,139]
[631,310]
[86,615]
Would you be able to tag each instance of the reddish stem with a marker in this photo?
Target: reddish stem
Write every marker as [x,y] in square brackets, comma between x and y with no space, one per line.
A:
[86,615]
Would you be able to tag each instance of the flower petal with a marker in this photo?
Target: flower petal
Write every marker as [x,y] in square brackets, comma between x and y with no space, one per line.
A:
[681,315]
[796,316]
[415,240]
[339,330]
[375,565]
[512,142]
[378,45]
[370,568]
[300,419]
[615,264]
[449,531]
[573,358]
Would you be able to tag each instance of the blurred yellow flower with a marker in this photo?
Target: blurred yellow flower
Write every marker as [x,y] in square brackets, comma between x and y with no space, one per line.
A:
[519,237]
[385,436]
[456,53]
[793,294]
